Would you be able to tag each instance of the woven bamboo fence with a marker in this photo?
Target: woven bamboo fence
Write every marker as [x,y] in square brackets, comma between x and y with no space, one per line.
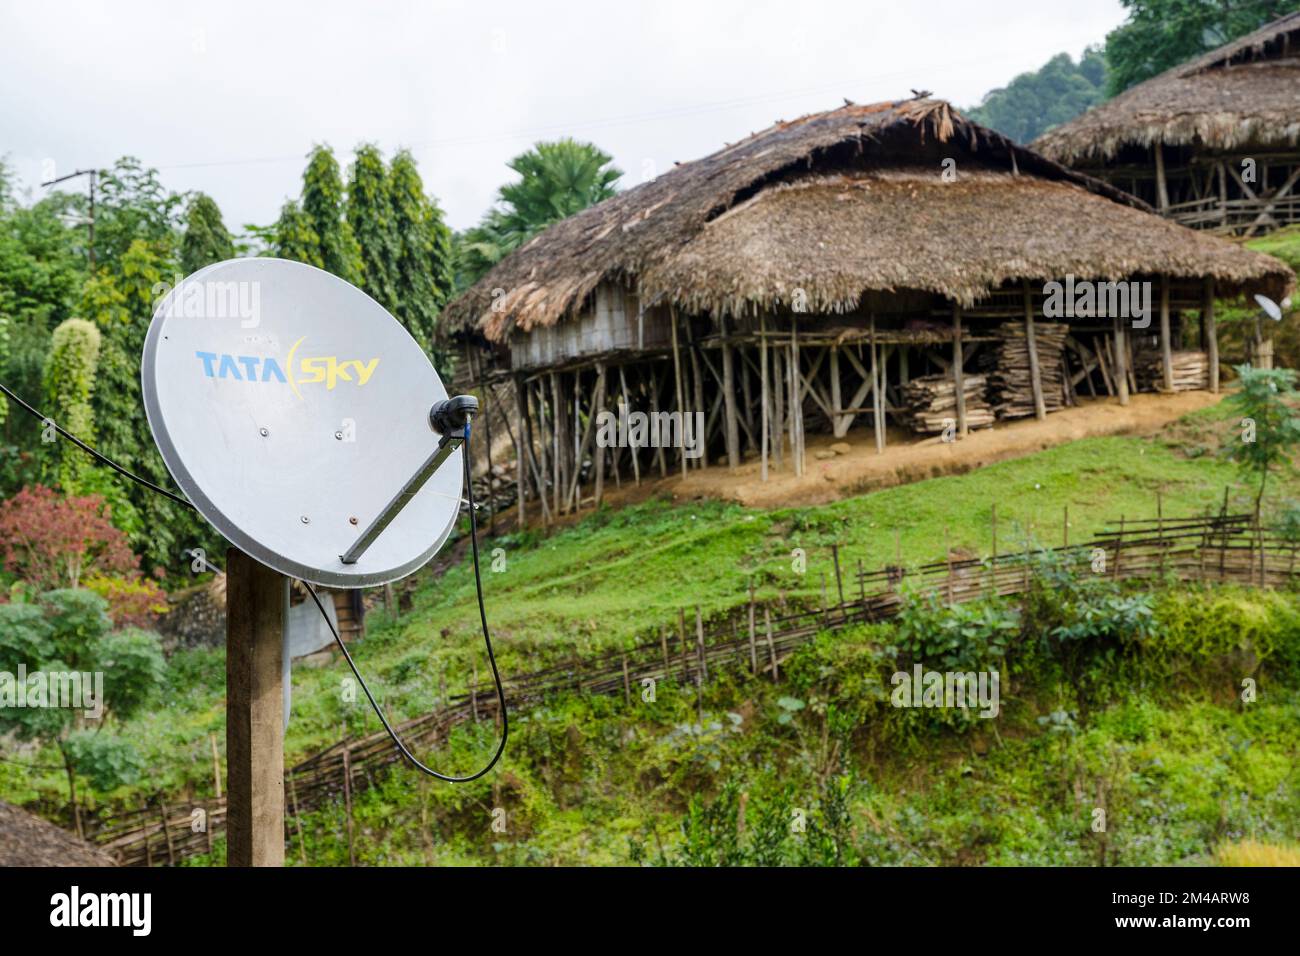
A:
[1209,548]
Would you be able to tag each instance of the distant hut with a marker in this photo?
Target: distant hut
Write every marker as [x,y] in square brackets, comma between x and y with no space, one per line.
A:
[1213,144]
[887,264]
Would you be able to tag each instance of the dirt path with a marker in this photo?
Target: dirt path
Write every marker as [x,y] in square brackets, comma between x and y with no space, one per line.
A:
[861,470]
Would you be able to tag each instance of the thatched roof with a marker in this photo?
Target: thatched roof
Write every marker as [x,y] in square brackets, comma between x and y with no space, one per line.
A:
[840,203]
[1246,93]
[27,840]
[907,229]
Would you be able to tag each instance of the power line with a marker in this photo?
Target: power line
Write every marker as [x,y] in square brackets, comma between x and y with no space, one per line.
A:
[102,459]
[608,121]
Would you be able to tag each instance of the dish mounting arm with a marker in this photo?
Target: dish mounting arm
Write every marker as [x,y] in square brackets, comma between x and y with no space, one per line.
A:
[451,419]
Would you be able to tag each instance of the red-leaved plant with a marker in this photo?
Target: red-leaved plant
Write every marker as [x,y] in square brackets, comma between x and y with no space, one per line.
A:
[52,541]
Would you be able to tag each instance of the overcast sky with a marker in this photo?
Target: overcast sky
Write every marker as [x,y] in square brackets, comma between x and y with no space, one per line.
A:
[227,97]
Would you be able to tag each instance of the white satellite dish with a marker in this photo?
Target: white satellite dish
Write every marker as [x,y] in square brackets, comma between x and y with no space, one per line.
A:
[294,412]
[1270,307]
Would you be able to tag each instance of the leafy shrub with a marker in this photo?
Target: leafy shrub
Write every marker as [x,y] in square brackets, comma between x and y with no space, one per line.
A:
[976,635]
[131,602]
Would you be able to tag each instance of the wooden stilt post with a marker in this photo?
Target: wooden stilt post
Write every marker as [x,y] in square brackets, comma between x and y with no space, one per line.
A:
[837,402]
[877,402]
[677,373]
[544,467]
[1035,374]
[697,381]
[729,397]
[557,467]
[796,403]
[958,376]
[762,388]
[1166,342]
[636,464]
[487,451]
[578,449]
[521,457]
[1162,187]
[1211,333]
[778,398]
[1120,370]
[256,601]
[599,453]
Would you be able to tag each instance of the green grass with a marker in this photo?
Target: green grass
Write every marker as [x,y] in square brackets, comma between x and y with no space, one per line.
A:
[1180,766]
[1283,244]
[620,576]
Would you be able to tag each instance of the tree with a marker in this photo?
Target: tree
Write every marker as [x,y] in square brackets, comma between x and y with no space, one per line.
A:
[1269,426]
[1160,34]
[423,269]
[52,541]
[42,268]
[206,239]
[1034,102]
[370,214]
[556,180]
[323,205]
[121,297]
[133,206]
[69,383]
[68,633]
[481,247]
[292,236]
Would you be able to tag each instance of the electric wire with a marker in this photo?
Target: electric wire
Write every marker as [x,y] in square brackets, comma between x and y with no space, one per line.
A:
[487,640]
[104,459]
[478,587]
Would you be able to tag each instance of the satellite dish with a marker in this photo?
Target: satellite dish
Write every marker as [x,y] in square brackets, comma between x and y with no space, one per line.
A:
[1269,306]
[292,410]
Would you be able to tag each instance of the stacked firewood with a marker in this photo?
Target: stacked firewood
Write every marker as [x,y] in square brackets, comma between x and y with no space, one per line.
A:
[1191,371]
[1008,365]
[930,402]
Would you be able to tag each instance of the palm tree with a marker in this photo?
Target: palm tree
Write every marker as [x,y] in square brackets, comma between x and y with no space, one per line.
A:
[556,180]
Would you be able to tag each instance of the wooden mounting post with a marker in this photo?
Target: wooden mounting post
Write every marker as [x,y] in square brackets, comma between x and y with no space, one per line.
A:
[256,602]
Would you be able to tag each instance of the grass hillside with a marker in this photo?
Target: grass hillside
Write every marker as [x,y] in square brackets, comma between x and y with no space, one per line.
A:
[590,780]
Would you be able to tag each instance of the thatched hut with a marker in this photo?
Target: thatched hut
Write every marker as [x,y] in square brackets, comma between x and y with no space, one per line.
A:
[1213,144]
[866,263]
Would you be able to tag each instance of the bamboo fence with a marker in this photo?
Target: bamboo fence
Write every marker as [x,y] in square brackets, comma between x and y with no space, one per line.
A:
[1209,548]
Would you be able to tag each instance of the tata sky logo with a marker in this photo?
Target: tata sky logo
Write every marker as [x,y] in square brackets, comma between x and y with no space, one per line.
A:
[327,370]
